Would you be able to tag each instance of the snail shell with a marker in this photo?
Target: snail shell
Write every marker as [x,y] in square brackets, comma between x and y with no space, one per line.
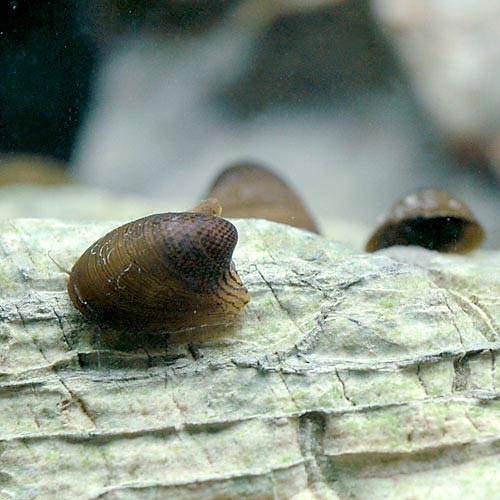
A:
[167,271]
[248,190]
[31,169]
[430,218]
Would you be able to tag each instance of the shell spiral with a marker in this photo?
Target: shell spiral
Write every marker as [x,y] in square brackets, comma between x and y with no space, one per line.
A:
[168,271]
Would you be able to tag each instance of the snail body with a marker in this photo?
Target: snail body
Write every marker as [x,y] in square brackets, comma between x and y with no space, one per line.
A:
[210,206]
[432,219]
[167,271]
[248,190]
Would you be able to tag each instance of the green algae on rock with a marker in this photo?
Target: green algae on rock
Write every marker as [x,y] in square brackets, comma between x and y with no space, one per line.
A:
[350,375]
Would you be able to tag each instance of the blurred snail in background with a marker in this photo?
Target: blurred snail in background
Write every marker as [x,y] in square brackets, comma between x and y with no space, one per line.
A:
[247,190]
[432,219]
[169,271]
[32,169]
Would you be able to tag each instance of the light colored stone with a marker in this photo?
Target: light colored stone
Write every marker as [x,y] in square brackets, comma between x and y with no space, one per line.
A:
[452,54]
[349,376]
[81,203]
[74,202]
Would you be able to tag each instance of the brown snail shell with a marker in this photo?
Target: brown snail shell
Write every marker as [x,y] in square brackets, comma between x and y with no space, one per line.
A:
[432,219]
[248,190]
[168,271]
[31,169]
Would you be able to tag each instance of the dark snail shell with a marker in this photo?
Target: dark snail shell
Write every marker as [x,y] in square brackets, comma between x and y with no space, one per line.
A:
[251,191]
[168,271]
[431,219]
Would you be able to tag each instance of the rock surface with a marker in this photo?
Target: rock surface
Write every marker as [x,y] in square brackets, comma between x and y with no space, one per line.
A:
[349,376]
[80,203]
[452,63]
[74,202]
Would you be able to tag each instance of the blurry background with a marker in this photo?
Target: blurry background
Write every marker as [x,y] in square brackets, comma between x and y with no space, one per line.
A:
[354,102]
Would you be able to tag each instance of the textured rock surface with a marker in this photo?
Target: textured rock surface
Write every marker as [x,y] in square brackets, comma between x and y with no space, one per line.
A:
[350,376]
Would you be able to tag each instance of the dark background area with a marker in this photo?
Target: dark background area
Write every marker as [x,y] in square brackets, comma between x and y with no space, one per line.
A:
[48,61]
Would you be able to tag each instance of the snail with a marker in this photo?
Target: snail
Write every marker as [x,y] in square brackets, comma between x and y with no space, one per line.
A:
[432,219]
[168,271]
[31,169]
[247,190]
[210,206]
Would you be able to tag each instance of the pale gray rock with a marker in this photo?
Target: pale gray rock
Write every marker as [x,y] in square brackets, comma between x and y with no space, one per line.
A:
[452,54]
[78,203]
[74,202]
[348,376]
[311,92]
